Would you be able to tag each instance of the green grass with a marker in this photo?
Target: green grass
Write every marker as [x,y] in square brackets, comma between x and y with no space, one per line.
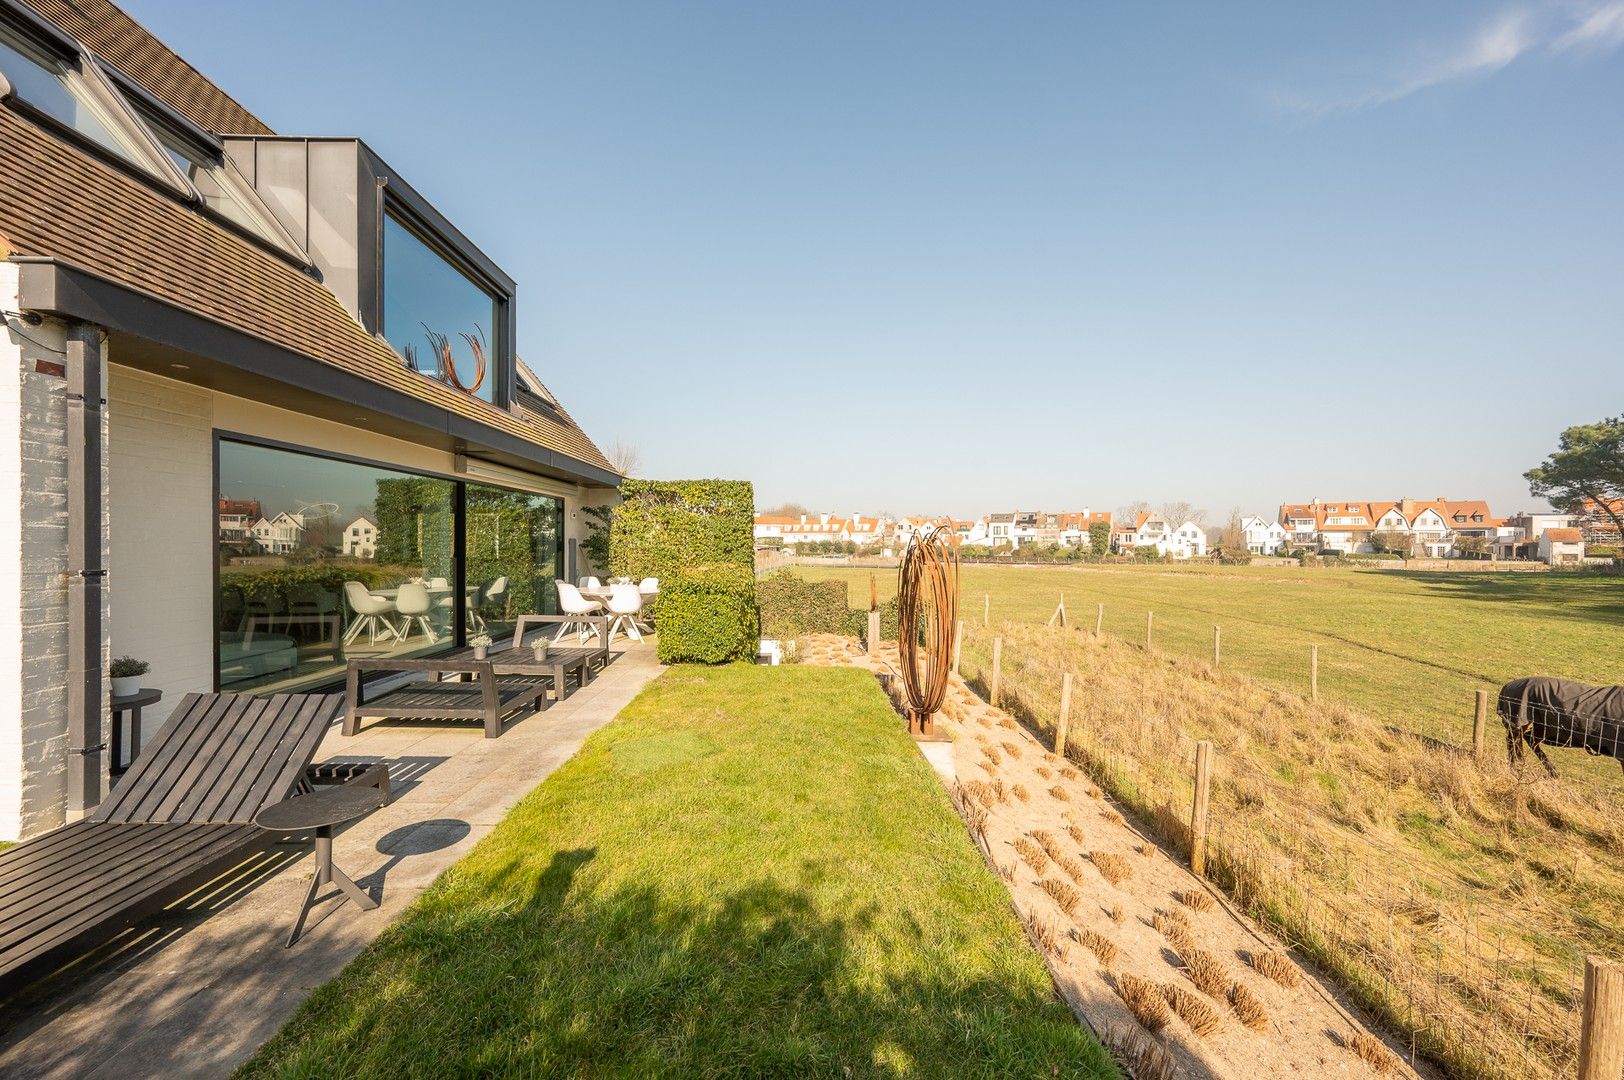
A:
[1410,648]
[751,872]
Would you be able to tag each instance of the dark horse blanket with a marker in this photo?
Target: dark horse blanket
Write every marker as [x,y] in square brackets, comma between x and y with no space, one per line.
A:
[1558,712]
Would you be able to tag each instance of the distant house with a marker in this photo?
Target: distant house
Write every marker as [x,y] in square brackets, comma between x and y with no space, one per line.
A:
[1435,528]
[1186,541]
[805,529]
[1562,547]
[1597,526]
[1264,537]
[1519,535]
[361,539]
[1074,527]
[279,535]
[237,518]
[1001,530]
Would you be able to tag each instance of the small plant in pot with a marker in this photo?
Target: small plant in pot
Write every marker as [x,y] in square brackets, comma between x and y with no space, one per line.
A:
[539,647]
[126,672]
[481,644]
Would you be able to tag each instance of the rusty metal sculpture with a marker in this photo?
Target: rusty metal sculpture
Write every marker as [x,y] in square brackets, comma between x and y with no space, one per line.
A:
[927,591]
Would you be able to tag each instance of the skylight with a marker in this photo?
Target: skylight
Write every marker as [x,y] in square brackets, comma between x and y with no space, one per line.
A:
[49,86]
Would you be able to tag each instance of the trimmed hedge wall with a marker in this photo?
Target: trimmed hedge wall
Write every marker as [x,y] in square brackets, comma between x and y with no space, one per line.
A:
[791,606]
[696,536]
[708,618]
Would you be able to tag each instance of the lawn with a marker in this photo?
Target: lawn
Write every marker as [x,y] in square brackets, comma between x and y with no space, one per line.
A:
[1410,648]
[750,872]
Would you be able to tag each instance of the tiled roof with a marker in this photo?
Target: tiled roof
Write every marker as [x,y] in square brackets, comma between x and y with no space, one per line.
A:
[1564,536]
[128,46]
[58,202]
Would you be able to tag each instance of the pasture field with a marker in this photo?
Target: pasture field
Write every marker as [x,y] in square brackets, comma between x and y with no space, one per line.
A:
[1409,649]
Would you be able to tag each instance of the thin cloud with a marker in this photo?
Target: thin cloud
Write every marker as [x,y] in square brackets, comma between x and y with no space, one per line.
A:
[1491,47]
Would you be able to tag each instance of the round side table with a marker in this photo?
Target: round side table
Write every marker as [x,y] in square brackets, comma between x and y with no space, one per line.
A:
[319,812]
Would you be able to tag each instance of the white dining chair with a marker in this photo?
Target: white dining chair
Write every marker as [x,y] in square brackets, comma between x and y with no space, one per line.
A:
[625,604]
[371,614]
[571,602]
[412,602]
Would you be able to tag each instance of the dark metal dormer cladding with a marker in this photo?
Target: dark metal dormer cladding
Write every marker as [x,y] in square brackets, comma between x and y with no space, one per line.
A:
[448,310]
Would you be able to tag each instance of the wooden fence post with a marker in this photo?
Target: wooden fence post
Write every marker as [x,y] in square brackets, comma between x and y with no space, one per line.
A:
[1059,612]
[873,632]
[986,609]
[1150,619]
[1198,811]
[1062,727]
[1217,644]
[997,670]
[1601,1036]
[1313,672]
[1480,722]
[1099,622]
[958,645]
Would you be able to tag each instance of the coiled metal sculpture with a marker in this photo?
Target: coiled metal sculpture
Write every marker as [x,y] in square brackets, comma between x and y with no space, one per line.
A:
[928,590]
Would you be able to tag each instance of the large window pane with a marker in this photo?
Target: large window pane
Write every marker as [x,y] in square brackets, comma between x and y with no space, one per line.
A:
[48,85]
[432,310]
[513,546]
[322,560]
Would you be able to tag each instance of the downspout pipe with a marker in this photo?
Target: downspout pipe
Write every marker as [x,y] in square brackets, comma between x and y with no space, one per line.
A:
[86,571]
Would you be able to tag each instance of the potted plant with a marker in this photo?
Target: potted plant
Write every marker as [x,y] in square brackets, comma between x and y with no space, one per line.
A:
[539,646]
[481,644]
[126,672]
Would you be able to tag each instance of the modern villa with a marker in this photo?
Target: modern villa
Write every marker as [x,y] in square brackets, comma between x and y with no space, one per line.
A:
[259,383]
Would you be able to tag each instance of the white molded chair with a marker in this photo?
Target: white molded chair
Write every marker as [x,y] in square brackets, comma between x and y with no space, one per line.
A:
[413,602]
[371,614]
[625,604]
[571,602]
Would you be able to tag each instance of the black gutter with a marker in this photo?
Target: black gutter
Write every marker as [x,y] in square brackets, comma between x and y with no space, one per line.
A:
[51,286]
[86,570]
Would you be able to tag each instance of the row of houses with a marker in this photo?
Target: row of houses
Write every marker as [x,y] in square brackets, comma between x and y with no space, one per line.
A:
[1427,528]
[244,527]
[1013,530]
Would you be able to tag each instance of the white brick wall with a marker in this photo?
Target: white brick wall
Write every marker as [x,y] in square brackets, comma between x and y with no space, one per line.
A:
[161,467]
[33,525]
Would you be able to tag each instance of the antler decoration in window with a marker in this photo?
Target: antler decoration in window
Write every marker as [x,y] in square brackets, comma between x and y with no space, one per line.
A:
[928,592]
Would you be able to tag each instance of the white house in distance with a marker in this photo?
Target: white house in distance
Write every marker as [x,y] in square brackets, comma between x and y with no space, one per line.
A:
[1434,527]
[361,539]
[1187,541]
[1562,547]
[1264,537]
[279,535]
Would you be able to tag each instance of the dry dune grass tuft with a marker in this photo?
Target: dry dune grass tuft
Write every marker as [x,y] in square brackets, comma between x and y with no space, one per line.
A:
[1077,834]
[1248,1007]
[1278,967]
[1031,854]
[988,767]
[1144,999]
[1103,948]
[1070,773]
[1177,934]
[1113,868]
[1144,1057]
[991,754]
[981,792]
[1111,815]
[1372,1050]
[998,790]
[1207,972]
[1060,793]
[1006,722]
[1020,792]
[1044,935]
[1117,914]
[1011,749]
[1147,850]
[1192,1009]
[975,816]
[1072,867]
[1046,840]
[1065,896]
[1327,817]
[1046,773]
[1195,900]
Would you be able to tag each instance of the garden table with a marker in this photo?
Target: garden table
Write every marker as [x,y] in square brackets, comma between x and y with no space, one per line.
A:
[321,811]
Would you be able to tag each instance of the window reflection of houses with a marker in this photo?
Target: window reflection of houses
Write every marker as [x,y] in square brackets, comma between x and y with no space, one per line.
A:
[361,539]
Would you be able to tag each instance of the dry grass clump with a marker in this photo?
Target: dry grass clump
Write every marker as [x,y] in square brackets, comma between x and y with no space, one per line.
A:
[975,816]
[1144,999]
[1372,1050]
[1192,1009]
[1032,854]
[1094,792]
[988,767]
[1077,834]
[1194,899]
[1065,896]
[1276,966]
[1147,850]
[1145,1059]
[991,754]
[1103,948]
[998,790]
[1117,914]
[1070,773]
[980,791]
[1046,840]
[1011,749]
[1045,772]
[1020,792]
[1044,935]
[1060,793]
[1248,1007]
[1111,815]
[1177,933]
[1072,867]
[1207,972]
[1113,868]
[1006,722]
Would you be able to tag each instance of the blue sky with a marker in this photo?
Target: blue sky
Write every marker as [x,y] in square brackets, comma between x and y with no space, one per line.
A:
[962,257]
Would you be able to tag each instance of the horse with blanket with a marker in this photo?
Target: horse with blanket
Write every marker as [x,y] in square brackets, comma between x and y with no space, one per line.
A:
[1539,710]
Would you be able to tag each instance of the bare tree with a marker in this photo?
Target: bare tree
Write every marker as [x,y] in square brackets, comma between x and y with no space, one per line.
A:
[1233,536]
[789,509]
[1133,510]
[1177,513]
[625,457]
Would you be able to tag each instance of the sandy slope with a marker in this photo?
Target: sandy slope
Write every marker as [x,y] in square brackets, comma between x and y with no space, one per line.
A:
[1308,1031]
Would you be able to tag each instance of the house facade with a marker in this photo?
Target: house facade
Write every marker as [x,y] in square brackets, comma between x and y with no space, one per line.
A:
[304,341]
[1187,540]
[1264,537]
[361,539]
[1562,547]
[1435,528]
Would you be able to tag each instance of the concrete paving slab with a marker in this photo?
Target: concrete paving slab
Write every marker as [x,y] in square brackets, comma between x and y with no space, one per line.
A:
[196,990]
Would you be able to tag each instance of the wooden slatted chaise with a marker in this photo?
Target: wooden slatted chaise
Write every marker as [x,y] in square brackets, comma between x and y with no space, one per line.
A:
[180,817]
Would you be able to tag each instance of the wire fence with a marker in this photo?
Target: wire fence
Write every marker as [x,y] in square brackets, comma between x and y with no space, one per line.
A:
[1476,963]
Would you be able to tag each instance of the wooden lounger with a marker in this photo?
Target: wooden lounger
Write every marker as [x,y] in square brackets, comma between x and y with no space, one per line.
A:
[180,817]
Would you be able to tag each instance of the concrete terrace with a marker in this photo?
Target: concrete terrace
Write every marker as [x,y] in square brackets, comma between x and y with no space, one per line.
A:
[197,990]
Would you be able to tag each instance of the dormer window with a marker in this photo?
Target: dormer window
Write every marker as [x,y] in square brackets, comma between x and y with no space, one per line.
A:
[441,320]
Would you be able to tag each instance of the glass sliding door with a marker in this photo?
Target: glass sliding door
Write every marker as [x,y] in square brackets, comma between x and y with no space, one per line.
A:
[320,560]
[513,544]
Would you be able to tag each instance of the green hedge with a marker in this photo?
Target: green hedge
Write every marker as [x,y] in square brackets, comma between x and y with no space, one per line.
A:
[666,528]
[697,537]
[708,617]
[792,606]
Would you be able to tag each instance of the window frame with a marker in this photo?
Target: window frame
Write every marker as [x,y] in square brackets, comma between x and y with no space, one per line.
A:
[412,214]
